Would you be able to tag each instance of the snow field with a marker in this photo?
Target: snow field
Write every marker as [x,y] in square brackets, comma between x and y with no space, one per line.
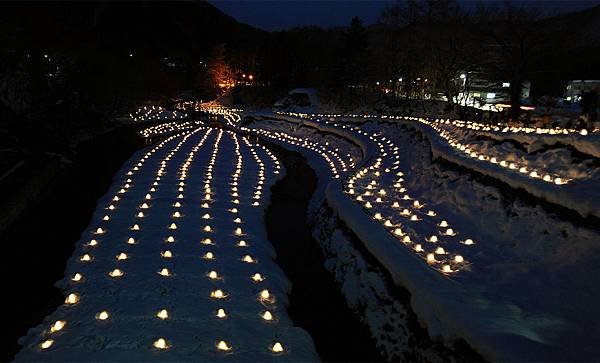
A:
[176,265]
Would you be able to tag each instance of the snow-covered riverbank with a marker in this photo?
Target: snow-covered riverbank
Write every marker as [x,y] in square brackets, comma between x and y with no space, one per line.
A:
[519,281]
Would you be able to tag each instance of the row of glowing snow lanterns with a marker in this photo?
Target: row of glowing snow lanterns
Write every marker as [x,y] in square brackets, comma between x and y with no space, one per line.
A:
[459,123]
[155,113]
[325,153]
[396,230]
[162,343]
[377,170]
[231,116]
[476,126]
[73,298]
[446,266]
[510,165]
[167,128]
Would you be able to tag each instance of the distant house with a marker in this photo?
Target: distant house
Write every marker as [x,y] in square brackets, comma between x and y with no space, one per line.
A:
[577,87]
[482,93]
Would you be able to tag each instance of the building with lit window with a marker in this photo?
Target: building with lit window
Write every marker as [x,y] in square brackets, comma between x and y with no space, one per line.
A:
[577,87]
[479,92]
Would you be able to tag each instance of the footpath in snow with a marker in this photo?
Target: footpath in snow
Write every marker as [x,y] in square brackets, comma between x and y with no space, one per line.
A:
[175,265]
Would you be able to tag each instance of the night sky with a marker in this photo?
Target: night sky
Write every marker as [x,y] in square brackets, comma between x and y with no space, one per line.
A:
[279,15]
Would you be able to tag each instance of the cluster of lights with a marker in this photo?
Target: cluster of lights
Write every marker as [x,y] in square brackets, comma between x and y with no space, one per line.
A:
[439,126]
[234,209]
[379,189]
[514,166]
[506,129]
[331,157]
[74,298]
[168,128]
[149,113]
[502,128]
[418,227]
[261,169]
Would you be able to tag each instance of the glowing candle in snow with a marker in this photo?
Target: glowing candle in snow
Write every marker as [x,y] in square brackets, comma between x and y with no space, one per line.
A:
[468,241]
[164,272]
[267,315]
[46,344]
[57,326]
[221,313]
[115,273]
[217,294]
[162,314]
[103,315]
[160,343]
[277,347]
[222,345]
[264,295]
[430,258]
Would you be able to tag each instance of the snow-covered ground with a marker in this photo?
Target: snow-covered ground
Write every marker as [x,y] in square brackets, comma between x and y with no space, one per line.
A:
[514,280]
[175,265]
